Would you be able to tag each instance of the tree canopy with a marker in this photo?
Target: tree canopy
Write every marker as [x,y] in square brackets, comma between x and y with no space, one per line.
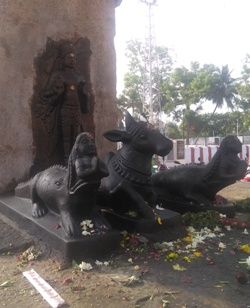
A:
[137,80]
[244,86]
[182,93]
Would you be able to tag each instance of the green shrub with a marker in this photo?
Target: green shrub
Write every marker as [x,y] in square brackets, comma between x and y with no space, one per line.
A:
[209,219]
[243,205]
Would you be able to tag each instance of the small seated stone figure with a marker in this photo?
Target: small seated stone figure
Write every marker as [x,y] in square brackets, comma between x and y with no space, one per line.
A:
[71,192]
[198,184]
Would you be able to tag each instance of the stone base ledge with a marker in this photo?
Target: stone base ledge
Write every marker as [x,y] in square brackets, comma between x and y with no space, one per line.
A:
[46,229]
[168,228]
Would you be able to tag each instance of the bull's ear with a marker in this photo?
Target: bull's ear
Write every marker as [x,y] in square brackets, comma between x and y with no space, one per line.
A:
[117,135]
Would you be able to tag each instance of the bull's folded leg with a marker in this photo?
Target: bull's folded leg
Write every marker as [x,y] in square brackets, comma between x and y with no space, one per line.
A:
[38,207]
[141,205]
[39,210]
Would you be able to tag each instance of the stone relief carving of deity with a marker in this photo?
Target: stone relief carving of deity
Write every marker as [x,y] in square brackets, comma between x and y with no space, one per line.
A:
[62,103]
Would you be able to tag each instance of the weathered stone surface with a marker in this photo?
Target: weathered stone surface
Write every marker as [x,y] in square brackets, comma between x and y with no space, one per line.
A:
[25,28]
[12,239]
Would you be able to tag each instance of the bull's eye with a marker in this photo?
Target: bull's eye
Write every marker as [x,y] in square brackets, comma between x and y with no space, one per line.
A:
[143,136]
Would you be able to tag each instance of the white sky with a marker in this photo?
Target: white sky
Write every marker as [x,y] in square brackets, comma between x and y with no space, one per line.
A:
[207,31]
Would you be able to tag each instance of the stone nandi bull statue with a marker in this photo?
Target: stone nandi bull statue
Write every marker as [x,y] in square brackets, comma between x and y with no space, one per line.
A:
[129,180]
[193,187]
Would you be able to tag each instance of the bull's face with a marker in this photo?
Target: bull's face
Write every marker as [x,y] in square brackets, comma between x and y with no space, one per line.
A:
[141,138]
[151,141]
[231,144]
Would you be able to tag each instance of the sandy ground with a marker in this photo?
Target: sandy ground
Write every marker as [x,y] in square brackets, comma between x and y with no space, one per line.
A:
[138,278]
[238,191]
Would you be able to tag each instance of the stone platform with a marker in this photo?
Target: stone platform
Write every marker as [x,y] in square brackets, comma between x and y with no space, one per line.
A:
[167,227]
[46,229]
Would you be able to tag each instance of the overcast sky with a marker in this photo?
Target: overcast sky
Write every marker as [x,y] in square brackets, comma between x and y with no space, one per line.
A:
[208,31]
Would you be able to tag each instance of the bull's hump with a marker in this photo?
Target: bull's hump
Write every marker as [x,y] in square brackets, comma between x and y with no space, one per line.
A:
[178,172]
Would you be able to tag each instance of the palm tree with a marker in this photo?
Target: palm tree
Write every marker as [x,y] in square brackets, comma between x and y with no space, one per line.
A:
[224,89]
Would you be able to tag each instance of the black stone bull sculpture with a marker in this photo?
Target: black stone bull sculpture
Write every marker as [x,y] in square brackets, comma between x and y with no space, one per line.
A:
[130,167]
[200,183]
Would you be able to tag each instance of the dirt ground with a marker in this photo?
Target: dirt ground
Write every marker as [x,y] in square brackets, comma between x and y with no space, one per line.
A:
[238,191]
[139,276]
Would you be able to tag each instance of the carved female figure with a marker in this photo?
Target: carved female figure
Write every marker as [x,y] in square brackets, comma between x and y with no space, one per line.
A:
[66,98]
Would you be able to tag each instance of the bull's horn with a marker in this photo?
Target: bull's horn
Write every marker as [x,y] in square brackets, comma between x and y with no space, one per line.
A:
[129,120]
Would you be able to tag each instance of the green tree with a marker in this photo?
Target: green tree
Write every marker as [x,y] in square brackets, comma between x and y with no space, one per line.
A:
[189,89]
[224,89]
[137,80]
[244,86]
[172,130]
[223,124]
[186,92]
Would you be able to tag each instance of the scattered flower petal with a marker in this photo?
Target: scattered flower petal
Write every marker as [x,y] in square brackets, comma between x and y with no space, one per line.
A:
[178,267]
[85,233]
[217,229]
[222,245]
[186,259]
[197,254]
[245,232]
[172,256]
[245,248]
[87,227]
[247,262]
[223,216]
[99,263]
[188,239]
[84,266]
[159,220]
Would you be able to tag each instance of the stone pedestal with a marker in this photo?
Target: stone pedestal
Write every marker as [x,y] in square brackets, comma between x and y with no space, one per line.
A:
[46,229]
[169,228]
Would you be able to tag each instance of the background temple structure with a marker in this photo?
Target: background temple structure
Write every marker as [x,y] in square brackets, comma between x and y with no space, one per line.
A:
[26,27]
